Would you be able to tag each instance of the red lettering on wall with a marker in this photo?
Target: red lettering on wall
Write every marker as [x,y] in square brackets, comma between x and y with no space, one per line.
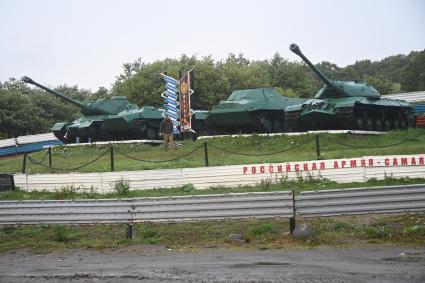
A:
[404,161]
[413,161]
[314,166]
[253,170]
[271,169]
[322,165]
[387,162]
[288,167]
[343,163]
[353,163]
[336,165]
[363,163]
[297,167]
[245,169]
[279,168]
[262,170]
[305,166]
[395,162]
[371,162]
[421,161]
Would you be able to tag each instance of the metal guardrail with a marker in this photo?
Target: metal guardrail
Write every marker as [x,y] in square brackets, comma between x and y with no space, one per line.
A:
[393,199]
[182,208]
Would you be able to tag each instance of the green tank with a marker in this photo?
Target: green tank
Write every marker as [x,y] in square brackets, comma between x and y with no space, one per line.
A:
[347,105]
[259,110]
[106,119]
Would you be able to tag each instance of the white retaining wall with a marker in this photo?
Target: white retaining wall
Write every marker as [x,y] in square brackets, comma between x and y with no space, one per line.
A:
[339,170]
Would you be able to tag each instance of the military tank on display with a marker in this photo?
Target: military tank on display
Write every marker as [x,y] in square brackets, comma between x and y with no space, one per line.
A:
[106,119]
[347,105]
[259,110]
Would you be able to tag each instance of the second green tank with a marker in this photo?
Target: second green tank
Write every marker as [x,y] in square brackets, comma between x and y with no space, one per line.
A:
[259,110]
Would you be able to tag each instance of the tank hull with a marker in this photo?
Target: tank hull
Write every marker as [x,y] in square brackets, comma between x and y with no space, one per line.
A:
[350,113]
[260,110]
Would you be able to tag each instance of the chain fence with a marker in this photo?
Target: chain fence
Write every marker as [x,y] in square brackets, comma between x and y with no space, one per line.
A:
[205,145]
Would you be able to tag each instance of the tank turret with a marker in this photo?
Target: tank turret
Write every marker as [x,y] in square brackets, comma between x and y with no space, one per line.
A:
[99,107]
[336,88]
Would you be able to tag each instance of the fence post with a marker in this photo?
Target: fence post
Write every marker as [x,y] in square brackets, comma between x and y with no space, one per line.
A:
[317,146]
[129,231]
[111,149]
[292,219]
[206,153]
[24,163]
[49,150]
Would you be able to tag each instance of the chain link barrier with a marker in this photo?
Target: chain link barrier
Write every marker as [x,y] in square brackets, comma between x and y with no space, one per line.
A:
[381,146]
[262,154]
[66,169]
[42,159]
[40,163]
[158,161]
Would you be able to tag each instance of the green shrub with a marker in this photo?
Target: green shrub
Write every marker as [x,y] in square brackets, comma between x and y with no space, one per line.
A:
[61,234]
[122,187]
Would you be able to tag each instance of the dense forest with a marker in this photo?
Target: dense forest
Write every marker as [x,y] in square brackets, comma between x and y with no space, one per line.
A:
[25,110]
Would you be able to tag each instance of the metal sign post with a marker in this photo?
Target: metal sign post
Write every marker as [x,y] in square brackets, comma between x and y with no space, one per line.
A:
[171,104]
[177,102]
[184,97]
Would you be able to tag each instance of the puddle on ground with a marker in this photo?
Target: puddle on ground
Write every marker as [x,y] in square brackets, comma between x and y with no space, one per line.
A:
[259,263]
[406,257]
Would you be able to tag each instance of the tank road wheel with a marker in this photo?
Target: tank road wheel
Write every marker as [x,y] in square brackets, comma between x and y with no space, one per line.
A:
[151,133]
[266,124]
[277,126]
[369,123]
[396,124]
[358,121]
[379,124]
[403,121]
[387,123]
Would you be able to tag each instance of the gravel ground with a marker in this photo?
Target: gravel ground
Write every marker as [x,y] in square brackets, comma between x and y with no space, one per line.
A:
[155,264]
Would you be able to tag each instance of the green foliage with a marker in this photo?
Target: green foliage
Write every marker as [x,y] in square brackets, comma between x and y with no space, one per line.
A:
[122,187]
[25,110]
[61,233]
[263,229]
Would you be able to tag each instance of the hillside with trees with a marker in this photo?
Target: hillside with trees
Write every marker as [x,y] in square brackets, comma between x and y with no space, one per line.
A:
[25,110]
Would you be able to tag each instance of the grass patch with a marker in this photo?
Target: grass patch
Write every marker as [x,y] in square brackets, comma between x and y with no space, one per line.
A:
[250,147]
[262,234]
[403,229]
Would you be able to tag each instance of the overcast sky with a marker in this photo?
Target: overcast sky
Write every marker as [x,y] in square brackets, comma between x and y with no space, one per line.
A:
[85,42]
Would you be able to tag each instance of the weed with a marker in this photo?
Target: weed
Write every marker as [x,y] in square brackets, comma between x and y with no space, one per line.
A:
[263,229]
[122,187]
[370,232]
[341,225]
[61,233]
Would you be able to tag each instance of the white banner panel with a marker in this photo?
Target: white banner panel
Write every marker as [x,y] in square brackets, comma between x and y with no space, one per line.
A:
[340,170]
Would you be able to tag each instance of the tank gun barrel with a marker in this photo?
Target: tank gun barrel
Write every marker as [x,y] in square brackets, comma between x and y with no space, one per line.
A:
[57,94]
[294,48]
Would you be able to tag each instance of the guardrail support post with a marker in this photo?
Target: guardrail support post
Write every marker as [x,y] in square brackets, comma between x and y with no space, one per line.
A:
[129,231]
[111,149]
[49,150]
[24,163]
[206,153]
[317,146]
[292,219]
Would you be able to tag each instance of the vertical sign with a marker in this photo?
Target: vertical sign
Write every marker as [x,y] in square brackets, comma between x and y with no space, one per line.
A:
[170,96]
[184,99]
